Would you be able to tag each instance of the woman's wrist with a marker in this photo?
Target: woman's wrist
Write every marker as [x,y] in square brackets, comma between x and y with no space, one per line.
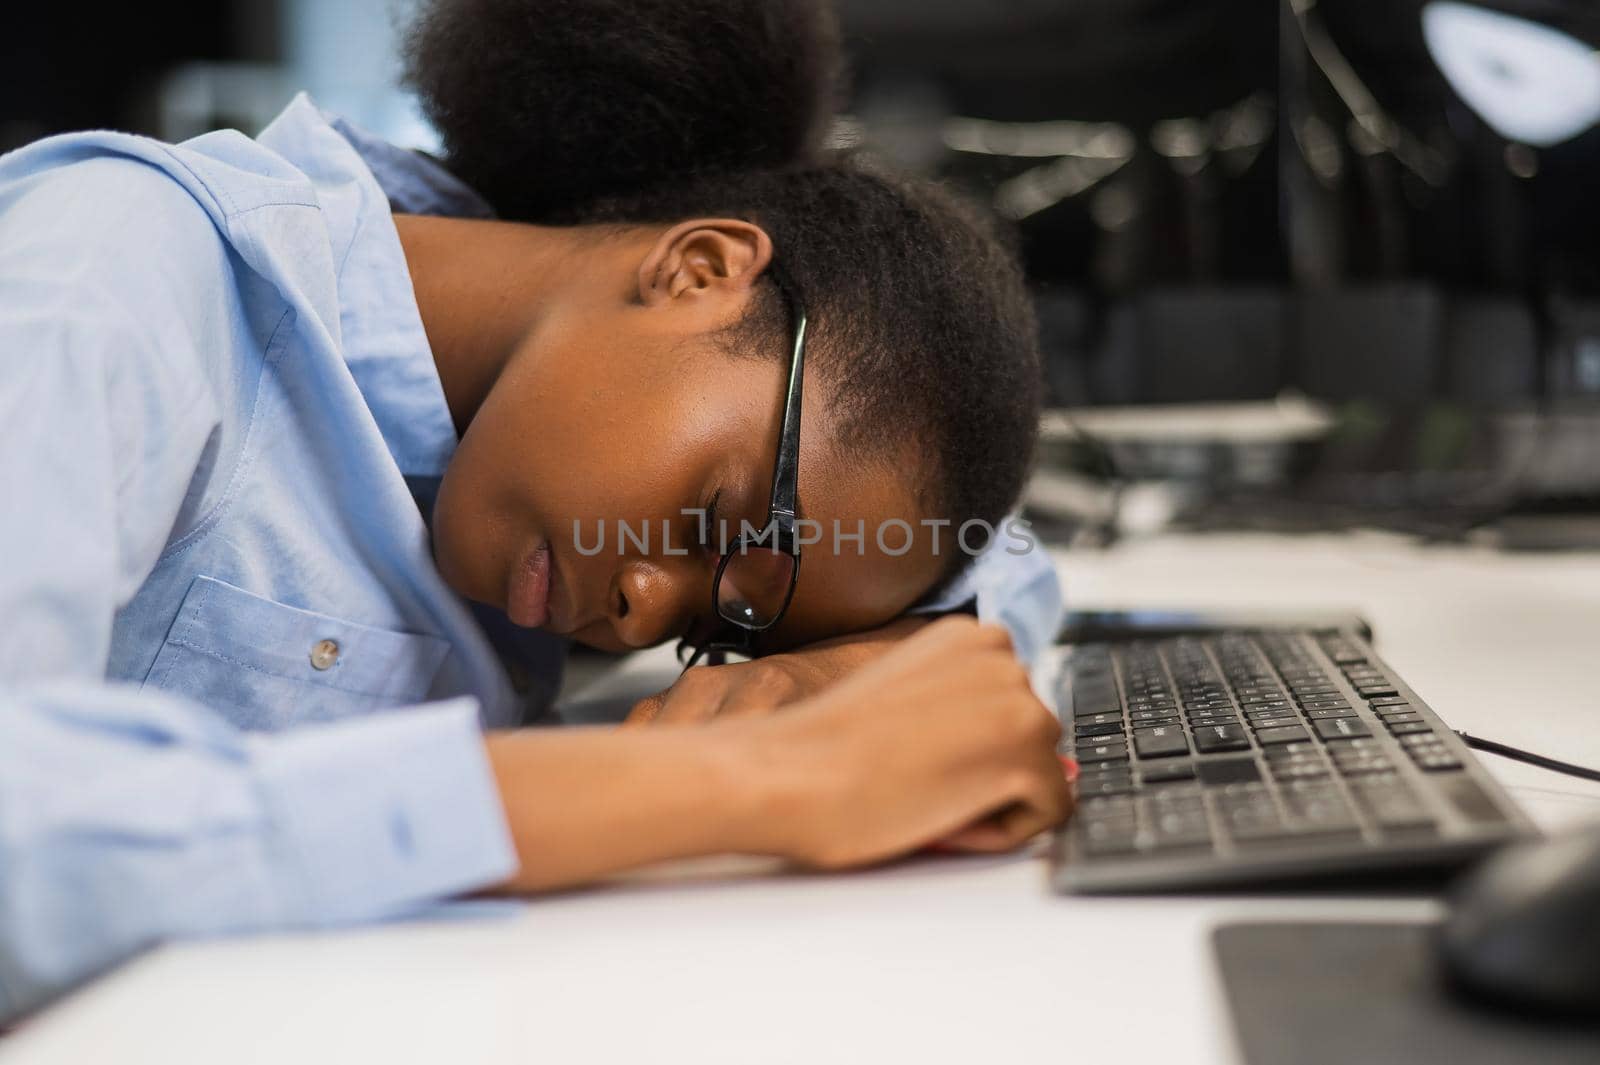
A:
[583,803]
[775,784]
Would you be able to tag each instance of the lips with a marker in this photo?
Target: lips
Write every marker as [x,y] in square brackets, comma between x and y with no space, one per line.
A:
[528,591]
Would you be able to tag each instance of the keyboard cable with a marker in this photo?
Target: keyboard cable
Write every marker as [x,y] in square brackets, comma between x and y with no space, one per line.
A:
[1517,755]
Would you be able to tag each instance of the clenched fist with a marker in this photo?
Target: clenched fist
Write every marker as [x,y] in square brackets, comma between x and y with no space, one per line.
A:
[939,741]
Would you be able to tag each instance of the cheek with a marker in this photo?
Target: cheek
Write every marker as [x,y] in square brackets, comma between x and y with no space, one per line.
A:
[470,541]
[548,451]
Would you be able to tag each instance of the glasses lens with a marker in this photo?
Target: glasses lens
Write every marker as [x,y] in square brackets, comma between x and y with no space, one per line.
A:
[755,586]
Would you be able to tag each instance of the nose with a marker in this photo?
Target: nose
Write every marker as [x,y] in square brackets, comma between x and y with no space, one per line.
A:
[653,600]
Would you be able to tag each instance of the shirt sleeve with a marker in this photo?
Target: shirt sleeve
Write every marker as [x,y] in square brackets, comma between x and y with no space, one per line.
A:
[1011,582]
[126,820]
[131,816]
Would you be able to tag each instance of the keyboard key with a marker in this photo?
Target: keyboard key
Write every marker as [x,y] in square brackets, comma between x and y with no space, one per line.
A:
[1104,718]
[1392,804]
[1410,728]
[1209,739]
[1198,722]
[1294,750]
[1398,716]
[1301,758]
[1163,772]
[1165,741]
[1102,752]
[1434,763]
[1390,700]
[1100,784]
[1339,728]
[1367,691]
[1107,836]
[1282,734]
[1299,770]
[1227,770]
[1105,728]
[1145,716]
[1323,715]
[1171,826]
[1106,807]
[1361,766]
[1317,807]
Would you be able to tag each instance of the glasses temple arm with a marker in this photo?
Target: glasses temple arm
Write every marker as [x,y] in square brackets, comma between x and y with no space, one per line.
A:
[787,476]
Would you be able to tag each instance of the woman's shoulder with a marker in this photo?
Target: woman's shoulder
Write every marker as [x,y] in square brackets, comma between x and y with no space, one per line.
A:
[98,174]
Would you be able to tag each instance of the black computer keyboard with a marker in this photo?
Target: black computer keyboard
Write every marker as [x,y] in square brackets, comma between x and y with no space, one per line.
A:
[1240,757]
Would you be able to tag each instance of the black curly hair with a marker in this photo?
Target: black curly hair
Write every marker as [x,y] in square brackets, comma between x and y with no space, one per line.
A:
[544,105]
[576,112]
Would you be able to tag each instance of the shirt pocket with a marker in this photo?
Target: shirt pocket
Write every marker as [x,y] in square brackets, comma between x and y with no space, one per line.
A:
[267,666]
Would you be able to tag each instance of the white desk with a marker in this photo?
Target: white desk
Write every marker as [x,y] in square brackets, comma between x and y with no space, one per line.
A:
[934,960]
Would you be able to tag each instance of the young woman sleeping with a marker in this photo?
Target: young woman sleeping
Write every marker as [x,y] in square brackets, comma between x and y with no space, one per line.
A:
[314,447]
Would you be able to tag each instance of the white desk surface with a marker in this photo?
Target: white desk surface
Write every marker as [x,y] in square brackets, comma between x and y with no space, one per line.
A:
[932,960]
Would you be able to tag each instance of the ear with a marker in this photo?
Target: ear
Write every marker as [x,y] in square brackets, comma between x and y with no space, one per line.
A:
[704,257]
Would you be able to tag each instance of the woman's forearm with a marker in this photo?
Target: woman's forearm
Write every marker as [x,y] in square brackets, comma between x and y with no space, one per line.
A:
[940,739]
[586,802]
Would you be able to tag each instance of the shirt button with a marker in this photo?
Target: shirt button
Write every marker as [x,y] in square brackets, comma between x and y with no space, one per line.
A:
[324,654]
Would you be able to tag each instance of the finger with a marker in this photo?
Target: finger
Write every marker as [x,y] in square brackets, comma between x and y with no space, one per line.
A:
[754,704]
[645,710]
[987,836]
[689,707]
[1047,803]
[694,696]
[996,636]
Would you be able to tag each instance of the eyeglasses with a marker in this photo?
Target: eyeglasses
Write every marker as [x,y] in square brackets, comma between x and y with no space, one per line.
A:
[757,572]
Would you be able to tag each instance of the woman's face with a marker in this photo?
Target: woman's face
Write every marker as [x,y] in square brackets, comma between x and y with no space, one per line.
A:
[616,425]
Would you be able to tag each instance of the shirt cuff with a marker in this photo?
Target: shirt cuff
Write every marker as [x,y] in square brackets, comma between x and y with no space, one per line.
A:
[384,814]
[1018,590]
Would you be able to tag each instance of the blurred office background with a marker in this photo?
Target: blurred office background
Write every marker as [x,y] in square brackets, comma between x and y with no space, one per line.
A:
[1299,263]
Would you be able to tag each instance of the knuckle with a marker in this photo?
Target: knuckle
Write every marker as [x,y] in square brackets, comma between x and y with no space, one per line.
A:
[953,627]
[645,710]
[1028,715]
[997,636]
[1018,780]
[698,681]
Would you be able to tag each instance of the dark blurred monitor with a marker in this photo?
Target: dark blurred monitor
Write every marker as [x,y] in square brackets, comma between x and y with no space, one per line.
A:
[1196,345]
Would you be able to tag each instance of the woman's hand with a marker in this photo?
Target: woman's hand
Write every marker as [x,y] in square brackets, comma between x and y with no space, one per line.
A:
[939,741]
[756,687]
[764,684]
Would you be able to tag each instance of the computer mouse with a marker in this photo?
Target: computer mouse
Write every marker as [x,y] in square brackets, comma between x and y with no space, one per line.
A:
[1524,927]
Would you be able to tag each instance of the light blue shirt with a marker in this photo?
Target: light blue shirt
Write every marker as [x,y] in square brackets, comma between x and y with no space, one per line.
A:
[235,693]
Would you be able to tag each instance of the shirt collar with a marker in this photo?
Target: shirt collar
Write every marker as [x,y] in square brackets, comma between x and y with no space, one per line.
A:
[382,336]
[414,182]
